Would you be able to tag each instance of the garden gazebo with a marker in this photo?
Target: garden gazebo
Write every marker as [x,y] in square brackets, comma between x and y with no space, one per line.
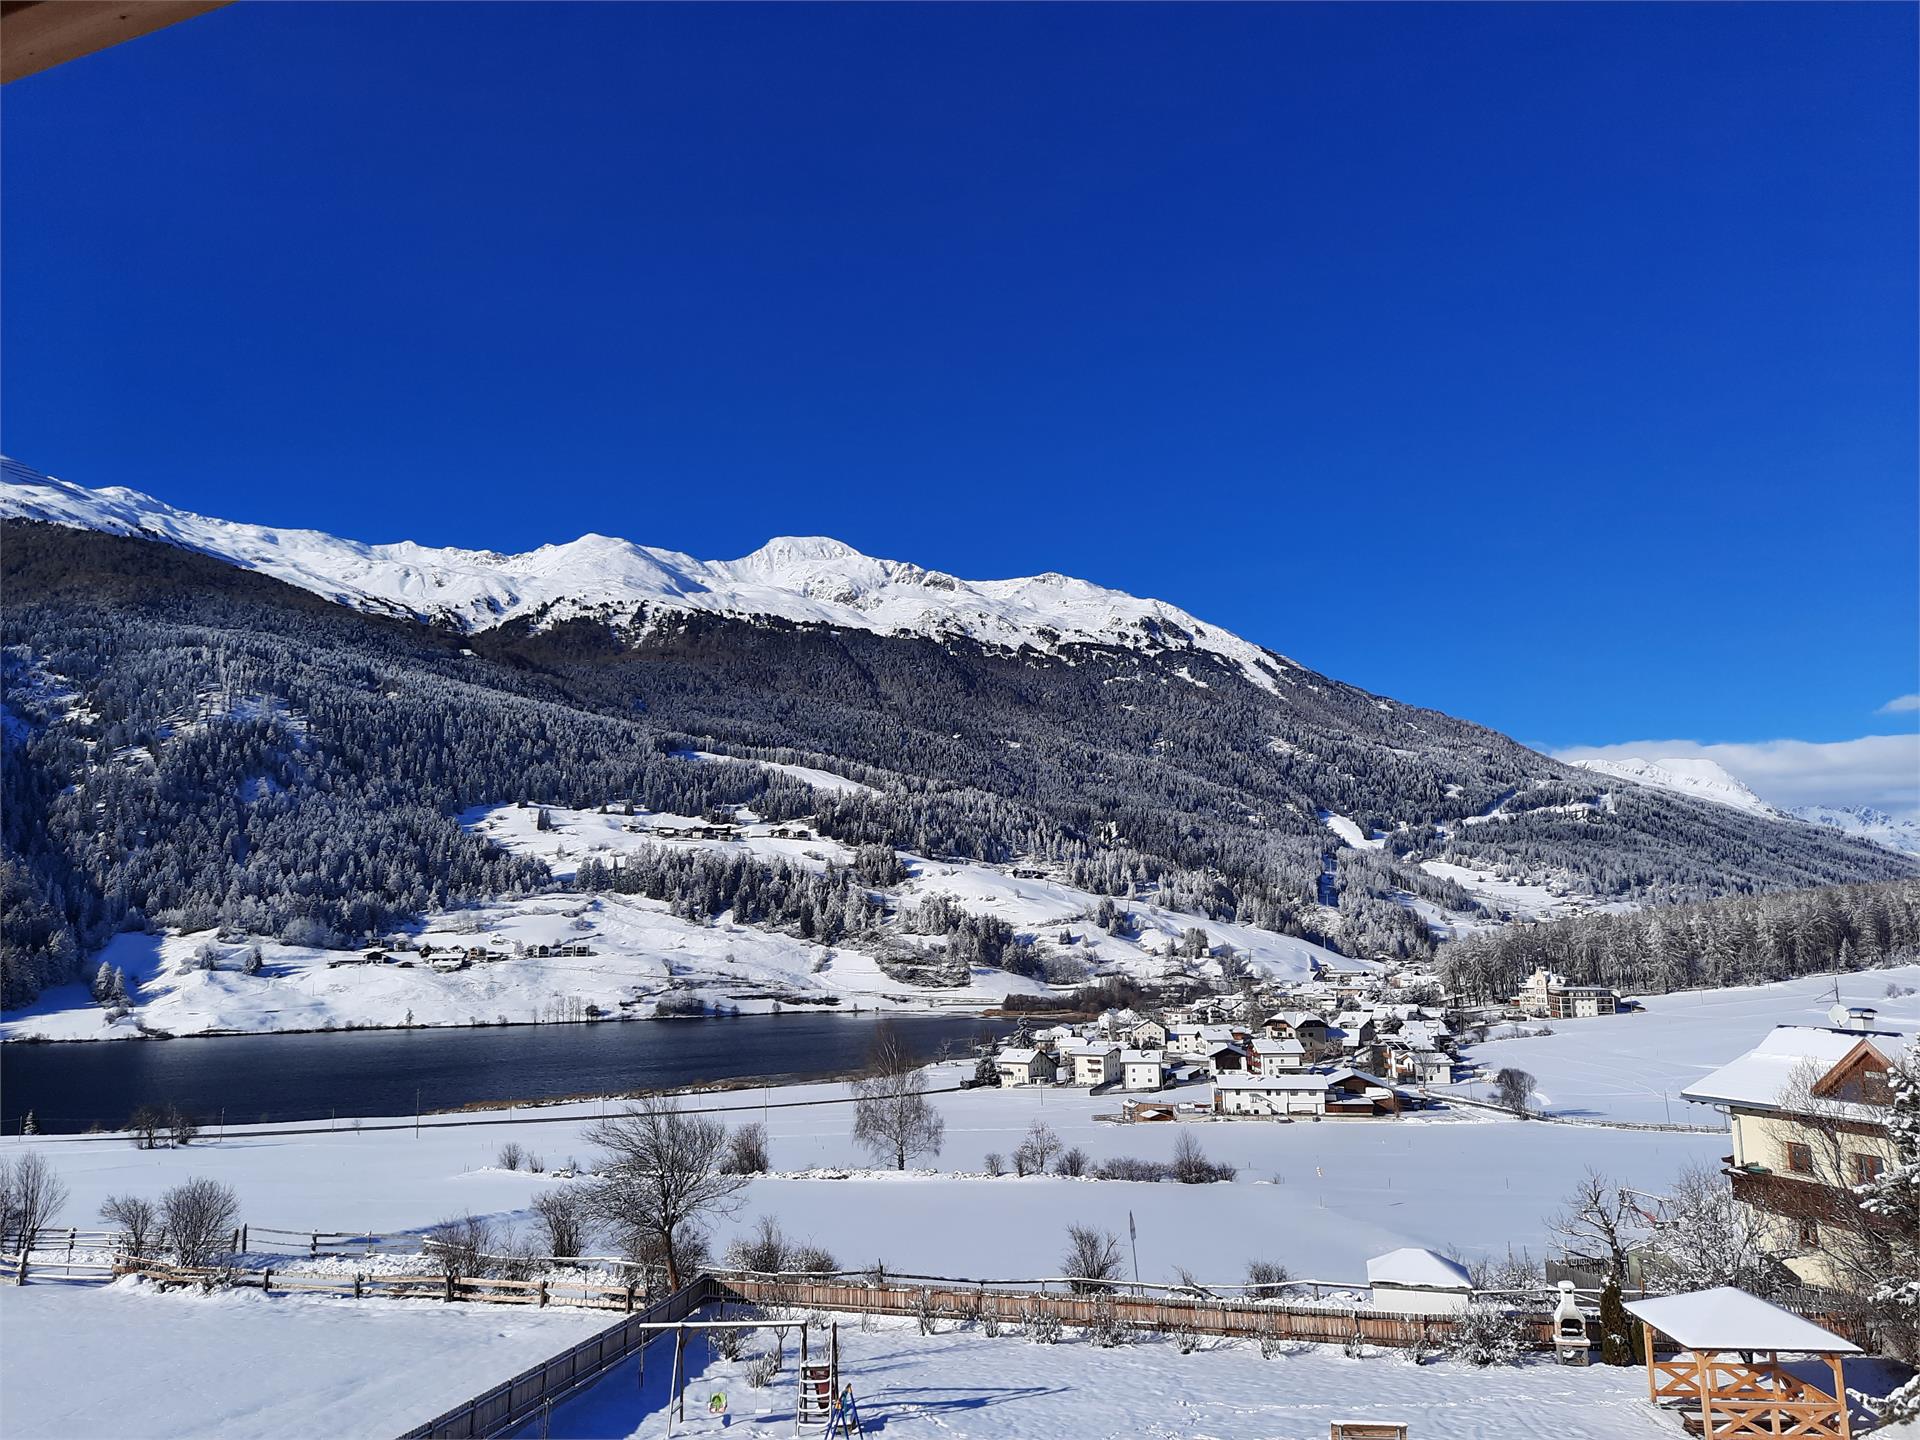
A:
[1729,1370]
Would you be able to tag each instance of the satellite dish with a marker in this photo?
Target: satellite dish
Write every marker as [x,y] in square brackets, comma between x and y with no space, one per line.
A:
[1839,1015]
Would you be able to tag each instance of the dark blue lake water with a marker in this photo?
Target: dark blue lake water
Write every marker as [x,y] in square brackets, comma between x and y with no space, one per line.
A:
[379,1072]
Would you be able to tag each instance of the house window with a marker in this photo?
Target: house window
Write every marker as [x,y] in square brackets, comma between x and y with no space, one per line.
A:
[1866,1167]
[1799,1158]
[1809,1235]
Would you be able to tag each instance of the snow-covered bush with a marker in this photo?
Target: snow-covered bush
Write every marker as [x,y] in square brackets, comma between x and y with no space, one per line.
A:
[1072,1163]
[1266,1279]
[1107,1330]
[1484,1334]
[1041,1324]
[923,1310]
[730,1343]
[512,1156]
[763,1371]
[1191,1166]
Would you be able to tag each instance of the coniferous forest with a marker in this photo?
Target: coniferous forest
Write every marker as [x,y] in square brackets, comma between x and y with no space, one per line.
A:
[192,745]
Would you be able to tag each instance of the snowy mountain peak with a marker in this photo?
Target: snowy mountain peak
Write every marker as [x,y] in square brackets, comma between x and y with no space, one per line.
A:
[802,578]
[1865,822]
[1694,776]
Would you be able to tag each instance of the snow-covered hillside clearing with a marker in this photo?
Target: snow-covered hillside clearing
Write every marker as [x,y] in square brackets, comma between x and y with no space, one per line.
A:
[641,952]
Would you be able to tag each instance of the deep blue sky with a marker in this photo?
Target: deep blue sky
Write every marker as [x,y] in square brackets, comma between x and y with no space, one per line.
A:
[1551,365]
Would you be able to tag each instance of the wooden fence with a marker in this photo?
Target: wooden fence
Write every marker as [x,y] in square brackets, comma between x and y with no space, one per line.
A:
[581,1294]
[1320,1324]
[514,1402]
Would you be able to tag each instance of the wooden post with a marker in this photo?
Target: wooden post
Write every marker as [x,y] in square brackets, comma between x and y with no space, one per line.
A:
[20,1275]
[243,1239]
[1705,1382]
[449,1287]
[543,1296]
[630,1297]
[236,1240]
[266,1281]
[1837,1365]
[313,1244]
[356,1284]
[1653,1377]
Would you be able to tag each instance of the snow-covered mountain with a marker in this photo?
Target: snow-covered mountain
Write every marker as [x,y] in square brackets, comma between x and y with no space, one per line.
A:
[1865,822]
[809,579]
[1698,778]
[1705,780]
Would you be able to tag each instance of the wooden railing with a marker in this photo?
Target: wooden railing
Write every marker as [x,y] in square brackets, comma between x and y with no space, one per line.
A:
[1320,1324]
[580,1294]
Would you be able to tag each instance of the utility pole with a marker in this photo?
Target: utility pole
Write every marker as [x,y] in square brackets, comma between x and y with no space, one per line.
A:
[1133,1241]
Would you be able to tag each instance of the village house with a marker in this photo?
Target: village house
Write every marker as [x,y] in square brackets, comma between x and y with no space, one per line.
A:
[1143,1069]
[1025,1067]
[1807,1111]
[1301,1025]
[1343,1093]
[1091,1062]
[1275,1057]
[1228,1059]
[1148,1034]
[1547,996]
[1419,1066]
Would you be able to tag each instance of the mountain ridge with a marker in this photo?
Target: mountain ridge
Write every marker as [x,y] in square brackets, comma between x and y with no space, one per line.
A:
[803,579]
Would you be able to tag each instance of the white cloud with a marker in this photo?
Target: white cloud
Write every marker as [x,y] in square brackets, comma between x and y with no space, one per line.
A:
[1878,770]
[1899,705]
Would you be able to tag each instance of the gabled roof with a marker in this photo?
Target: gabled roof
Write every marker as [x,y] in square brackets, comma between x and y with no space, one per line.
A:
[1141,1057]
[1730,1319]
[1758,1079]
[1017,1057]
[1424,1269]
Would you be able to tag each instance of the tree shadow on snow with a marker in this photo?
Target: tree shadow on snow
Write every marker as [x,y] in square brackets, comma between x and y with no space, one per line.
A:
[909,1403]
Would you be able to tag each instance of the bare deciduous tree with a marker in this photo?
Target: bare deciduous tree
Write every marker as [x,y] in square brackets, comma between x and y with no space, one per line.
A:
[1092,1256]
[1600,1222]
[747,1150]
[30,1196]
[565,1220]
[893,1118]
[1036,1150]
[1705,1238]
[1513,1089]
[662,1177]
[197,1217]
[459,1247]
[135,1217]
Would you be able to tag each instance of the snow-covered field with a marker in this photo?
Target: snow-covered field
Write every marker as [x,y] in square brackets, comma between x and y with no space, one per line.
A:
[962,1385]
[641,951]
[131,1362]
[1319,1198]
[1634,1066]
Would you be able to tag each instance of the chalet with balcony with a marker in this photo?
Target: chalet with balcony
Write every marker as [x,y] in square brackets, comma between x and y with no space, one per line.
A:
[1807,1112]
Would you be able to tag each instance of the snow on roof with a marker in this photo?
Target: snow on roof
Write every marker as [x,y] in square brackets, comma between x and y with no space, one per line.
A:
[1017,1057]
[1423,1268]
[1140,1057]
[1730,1319]
[1758,1078]
[1278,1047]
